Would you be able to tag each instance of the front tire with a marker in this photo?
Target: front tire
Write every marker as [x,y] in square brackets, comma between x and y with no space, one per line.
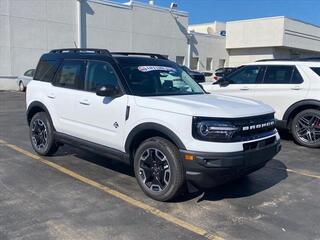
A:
[22,88]
[305,128]
[158,169]
[41,135]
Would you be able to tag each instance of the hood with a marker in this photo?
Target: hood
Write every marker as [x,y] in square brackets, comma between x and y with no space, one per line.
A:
[206,105]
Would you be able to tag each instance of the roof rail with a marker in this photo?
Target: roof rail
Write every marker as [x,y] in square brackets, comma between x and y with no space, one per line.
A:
[279,59]
[152,55]
[308,59]
[81,50]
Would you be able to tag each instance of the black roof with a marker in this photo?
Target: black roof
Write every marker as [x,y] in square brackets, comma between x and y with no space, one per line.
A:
[123,58]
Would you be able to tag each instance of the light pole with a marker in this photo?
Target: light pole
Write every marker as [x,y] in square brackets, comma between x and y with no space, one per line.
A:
[79,23]
[189,41]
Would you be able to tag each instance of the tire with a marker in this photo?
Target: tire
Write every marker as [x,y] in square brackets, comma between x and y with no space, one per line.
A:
[162,158]
[41,135]
[22,88]
[305,128]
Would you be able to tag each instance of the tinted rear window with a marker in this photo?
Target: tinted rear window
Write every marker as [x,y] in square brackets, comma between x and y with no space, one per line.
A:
[70,74]
[316,70]
[282,75]
[46,70]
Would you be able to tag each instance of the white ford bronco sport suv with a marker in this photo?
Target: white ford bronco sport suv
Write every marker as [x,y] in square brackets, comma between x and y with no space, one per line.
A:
[291,87]
[145,110]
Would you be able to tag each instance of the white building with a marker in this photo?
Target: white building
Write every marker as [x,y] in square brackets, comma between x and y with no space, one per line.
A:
[270,38]
[28,28]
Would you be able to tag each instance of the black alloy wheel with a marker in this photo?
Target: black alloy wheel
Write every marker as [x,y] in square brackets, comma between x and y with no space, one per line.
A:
[159,169]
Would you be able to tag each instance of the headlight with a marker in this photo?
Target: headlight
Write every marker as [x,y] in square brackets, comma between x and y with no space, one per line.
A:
[213,130]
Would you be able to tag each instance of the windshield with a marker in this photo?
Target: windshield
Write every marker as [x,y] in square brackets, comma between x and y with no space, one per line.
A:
[150,80]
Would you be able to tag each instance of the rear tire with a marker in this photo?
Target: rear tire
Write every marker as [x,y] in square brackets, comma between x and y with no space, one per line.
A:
[305,128]
[41,135]
[158,169]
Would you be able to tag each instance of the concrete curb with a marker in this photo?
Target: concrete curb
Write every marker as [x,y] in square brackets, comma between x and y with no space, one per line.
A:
[8,83]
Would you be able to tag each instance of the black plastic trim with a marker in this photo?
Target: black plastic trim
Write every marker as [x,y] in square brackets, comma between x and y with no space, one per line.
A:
[92,147]
[299,104]
[282,124]
[37,104]
[153,126]
[127,112]
[212,169]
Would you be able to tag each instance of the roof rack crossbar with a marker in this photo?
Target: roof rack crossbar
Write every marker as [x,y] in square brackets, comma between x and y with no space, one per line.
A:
[152,55]
[77,50]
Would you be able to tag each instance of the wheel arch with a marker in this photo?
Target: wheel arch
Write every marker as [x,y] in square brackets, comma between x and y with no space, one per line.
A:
[36,107]
[147,130]
[297,107]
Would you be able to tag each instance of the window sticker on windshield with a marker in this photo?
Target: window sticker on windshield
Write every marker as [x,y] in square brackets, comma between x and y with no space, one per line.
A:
[155,68]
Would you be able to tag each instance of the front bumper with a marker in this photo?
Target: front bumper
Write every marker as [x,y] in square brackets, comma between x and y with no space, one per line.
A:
[211,169]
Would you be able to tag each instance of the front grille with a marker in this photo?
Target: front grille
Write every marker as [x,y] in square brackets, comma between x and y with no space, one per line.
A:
[251,128]
[258,144]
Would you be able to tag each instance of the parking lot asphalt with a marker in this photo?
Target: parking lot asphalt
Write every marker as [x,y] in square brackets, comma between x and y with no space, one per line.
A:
[80,195]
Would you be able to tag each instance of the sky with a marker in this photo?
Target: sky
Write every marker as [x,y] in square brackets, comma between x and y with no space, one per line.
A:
[227,10]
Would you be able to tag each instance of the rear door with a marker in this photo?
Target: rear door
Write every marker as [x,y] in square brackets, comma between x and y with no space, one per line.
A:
[242,83]
[282,86]
[66,84]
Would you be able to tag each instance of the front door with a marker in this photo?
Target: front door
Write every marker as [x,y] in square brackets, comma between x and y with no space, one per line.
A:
[241,83]
[100,119]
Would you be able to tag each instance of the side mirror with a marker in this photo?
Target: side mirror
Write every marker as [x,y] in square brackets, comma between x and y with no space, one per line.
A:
[223,82]
[108,91]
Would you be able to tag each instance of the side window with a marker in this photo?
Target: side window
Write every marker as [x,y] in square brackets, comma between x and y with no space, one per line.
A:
[245,75]
[316,70]
[278,75]
[99,74]
[45,70]
[296,77]
[28,73]
[70,74]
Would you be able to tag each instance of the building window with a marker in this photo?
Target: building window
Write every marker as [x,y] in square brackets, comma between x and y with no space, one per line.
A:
[221,63]
[180,60]
[209,64]
[194,63]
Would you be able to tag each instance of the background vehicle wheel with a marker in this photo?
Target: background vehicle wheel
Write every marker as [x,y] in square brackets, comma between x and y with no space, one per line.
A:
[22,88]
[305,128]
[41,135]
[158,169]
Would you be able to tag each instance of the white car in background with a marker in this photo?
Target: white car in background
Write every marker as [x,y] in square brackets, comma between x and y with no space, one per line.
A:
[23,80]
[292,88]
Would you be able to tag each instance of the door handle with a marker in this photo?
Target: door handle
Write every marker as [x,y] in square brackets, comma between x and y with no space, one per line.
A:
[51,95]
[296,88]
[244,88]
[84,102]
